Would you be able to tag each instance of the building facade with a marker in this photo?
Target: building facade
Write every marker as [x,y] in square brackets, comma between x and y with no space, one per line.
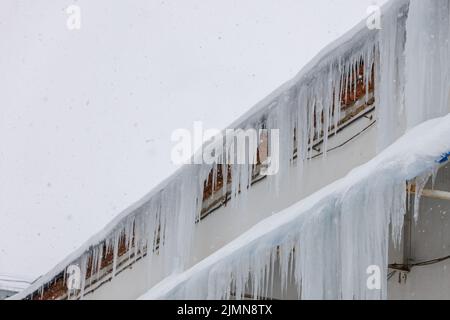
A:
[340,115]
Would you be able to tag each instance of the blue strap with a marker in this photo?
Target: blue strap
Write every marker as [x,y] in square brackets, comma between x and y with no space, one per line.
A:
[444,158]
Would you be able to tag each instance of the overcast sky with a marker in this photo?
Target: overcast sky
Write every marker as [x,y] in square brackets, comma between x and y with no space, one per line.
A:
[86,116]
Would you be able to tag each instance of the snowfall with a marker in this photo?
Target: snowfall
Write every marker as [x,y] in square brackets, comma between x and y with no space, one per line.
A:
[322,241]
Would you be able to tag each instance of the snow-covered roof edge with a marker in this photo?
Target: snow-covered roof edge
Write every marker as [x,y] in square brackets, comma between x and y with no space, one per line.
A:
[355,37]
[416,153]
[341,45]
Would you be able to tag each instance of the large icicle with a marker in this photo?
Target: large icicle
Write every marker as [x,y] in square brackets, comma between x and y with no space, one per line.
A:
[390,77]
[427,60]
[310,110]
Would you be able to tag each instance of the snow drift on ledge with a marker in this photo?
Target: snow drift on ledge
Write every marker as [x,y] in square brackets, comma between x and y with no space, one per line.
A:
[326,240]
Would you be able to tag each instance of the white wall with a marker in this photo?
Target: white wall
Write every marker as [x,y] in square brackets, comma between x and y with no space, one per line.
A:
[430,240]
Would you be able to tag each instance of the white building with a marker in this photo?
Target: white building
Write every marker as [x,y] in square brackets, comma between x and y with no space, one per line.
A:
[10,285]
[348,215]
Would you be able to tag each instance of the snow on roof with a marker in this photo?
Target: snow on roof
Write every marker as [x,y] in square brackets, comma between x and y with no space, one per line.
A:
[357,44]
[416,153]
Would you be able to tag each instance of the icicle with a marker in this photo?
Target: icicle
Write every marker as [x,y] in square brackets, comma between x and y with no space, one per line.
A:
[427,60]
[83,274]
[116,251]
[398,211]
[389,86]
[138,226]
[128,234]
[100,259]
[420,183]
[94,260]
[434,173]
[302,125]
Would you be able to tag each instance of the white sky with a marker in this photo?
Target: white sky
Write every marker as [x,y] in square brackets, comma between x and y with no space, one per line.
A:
[86,116]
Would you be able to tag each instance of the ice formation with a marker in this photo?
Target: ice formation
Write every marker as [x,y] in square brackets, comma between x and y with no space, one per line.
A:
[326,242]
[427,60]
[407,64]
[391,76]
